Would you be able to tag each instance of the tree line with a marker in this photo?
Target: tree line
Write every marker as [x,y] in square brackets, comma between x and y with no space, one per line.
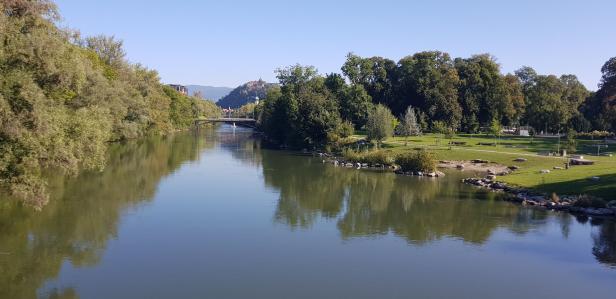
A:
[64,97]
[430,91]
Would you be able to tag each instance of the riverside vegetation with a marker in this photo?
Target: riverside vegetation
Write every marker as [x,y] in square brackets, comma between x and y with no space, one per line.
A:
[455,99]
[63,98]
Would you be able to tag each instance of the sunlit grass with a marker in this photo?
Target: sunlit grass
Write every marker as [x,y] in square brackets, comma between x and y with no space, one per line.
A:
[575,180]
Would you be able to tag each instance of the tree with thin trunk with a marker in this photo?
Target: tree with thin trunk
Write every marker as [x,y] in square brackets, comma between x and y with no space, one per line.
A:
[408,125]
[379,124]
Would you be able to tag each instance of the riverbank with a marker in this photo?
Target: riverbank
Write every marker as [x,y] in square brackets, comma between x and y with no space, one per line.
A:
[536,166]
[492,174]
[581,204]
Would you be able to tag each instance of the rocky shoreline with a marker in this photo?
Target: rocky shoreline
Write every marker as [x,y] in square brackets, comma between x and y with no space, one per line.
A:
[577,205]
[572,204]
[339,162]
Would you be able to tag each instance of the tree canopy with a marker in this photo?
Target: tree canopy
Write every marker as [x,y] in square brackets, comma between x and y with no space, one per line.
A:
[63,98]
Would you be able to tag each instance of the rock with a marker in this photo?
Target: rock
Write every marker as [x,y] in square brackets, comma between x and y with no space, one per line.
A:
[514,167]
[595,178]
[558,168]
[431,174]
[520,160]
[611,204]
[364,165]
[358,165]
[440,174]
[479,161]
[460,166]
[491,172]
[419,173]
[491,177]
[545,171]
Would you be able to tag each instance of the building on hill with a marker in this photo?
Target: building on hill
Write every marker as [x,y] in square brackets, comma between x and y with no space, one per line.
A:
[179,88]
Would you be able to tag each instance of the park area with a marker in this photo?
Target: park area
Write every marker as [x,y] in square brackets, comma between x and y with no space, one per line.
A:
[538,165]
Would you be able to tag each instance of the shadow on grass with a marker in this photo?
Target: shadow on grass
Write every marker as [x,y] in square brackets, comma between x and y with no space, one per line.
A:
[604,187]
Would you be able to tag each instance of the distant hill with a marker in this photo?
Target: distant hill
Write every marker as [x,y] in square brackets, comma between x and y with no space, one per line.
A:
[245,93]
[209,92]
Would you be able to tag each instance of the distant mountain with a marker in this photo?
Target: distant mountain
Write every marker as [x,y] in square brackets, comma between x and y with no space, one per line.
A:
[209,92]
[246,93]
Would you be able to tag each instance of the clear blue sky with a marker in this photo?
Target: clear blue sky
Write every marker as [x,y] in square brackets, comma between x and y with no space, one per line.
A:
[227,42]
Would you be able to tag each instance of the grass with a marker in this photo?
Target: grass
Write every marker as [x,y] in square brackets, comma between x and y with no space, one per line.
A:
[571,181]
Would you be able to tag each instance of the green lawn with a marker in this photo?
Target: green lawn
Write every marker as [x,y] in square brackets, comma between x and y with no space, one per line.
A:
[572,181]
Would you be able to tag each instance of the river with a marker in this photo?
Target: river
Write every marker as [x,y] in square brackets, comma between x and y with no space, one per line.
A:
[213,214]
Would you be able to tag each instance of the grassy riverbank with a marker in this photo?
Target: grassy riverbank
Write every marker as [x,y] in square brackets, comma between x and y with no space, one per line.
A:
[575,180]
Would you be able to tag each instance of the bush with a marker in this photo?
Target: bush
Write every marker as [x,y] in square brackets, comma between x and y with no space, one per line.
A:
[595,135]
[370,157]
[416,161]
[346,129]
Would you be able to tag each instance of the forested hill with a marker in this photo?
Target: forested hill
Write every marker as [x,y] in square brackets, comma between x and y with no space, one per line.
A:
[246,93]
[63,98]
[212,93]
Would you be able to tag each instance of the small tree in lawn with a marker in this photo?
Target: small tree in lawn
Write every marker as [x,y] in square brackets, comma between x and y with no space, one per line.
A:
[440,128]
[409,125]
[495,129]
[571,142]
[379,124]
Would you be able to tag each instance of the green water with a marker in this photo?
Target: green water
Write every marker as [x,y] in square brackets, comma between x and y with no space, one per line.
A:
[213,214]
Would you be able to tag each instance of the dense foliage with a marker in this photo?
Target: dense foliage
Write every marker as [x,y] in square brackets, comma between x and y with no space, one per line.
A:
[447,95]
[63,98]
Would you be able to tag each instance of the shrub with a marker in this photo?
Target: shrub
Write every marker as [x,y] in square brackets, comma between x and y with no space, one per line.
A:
[370,157]
[416,161]
[346,129]
[595,135]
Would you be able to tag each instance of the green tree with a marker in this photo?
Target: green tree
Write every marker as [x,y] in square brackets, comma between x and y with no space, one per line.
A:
[496,129]
[303,112]
[379,124]
[355,104]
[429,81]
[605,97]
[409,126]
[486,94]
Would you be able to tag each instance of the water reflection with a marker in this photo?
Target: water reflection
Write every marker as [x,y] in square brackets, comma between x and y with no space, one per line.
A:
[604,240]
[83,213]
[420,210]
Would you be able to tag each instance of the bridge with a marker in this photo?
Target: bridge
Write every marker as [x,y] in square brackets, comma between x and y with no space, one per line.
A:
[246,122]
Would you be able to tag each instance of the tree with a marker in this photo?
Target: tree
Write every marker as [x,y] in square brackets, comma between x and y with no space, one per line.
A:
[551,101]
[606,95]
[571,142]
[379,124]
[429,81]
[109,49]
[440,128]
[63,99]
[355,104]
[409,125]
[495,129]
[376,74]
[303,112]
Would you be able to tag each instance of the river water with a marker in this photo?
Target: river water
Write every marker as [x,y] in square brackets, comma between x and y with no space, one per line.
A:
[213,214]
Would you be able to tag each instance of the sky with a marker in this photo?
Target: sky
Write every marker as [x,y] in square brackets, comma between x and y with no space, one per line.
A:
[229,42]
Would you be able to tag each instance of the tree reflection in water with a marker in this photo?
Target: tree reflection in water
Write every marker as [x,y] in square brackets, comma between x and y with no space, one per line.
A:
[83,213]
[420,210]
